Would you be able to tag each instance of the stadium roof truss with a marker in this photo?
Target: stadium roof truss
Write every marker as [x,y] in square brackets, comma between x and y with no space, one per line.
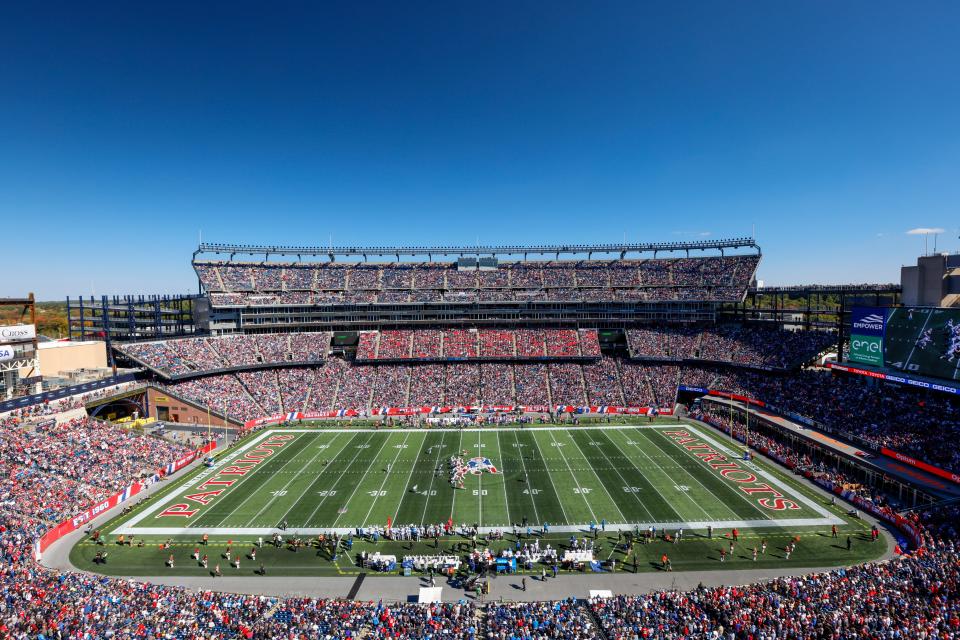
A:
[622,250]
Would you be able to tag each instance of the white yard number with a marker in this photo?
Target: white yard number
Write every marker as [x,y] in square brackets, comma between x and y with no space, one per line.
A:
[377,494]
[556,444]
[278,493]
[431,492]
[327,493]
[479,492]
[400,446]
[681,487]
[582,490]
[596,444]
[532,492]
[363,446]
[631,443]
[518,445]
[632,489]
[324,446]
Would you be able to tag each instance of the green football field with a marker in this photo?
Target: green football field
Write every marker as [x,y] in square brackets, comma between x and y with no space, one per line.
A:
[321,480]
[666,474]
[906,348]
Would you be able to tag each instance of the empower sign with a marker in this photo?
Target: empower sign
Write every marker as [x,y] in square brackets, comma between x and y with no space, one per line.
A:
[867,326]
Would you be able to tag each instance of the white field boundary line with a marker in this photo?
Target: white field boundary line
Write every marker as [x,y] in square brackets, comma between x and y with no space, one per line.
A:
[689,524]
[700,465]
[828,518]
[192,482]
[797,495]
[388,430]
[406,486]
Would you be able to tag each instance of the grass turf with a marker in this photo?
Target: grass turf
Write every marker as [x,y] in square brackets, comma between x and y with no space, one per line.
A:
[627,476]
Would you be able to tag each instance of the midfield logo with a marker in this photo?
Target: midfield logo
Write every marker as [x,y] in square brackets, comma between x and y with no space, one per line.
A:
[478,465]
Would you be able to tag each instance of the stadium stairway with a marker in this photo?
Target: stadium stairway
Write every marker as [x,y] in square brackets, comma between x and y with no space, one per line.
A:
[600,632]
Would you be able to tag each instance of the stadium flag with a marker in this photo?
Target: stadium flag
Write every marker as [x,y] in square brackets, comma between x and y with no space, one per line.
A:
[293,415]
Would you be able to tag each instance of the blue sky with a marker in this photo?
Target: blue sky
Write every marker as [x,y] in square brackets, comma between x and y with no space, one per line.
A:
[125,131]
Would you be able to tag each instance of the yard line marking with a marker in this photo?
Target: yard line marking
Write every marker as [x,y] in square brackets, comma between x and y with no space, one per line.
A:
[526,477]
[906,365]
[549,475]
[663,473]
[453,502]
[311,484]
[503,476]
[479,485]
[253,473]
[582,495]
[739,494]
[697,480]
[640,471]
[597,476]
[342,474]
[787,490]
[423,516]
[289,482]
[622,479]
[409,475]
[383,483]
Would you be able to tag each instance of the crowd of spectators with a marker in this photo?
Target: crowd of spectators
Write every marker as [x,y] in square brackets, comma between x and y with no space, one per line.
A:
[567,619]
[912,597]
[191,355]
[51,470]
[755,346]
[710,278]
[342,385]
[912,421]
[54,471]
[468,344]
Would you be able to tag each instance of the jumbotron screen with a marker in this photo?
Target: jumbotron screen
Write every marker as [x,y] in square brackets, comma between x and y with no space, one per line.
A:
[924,341]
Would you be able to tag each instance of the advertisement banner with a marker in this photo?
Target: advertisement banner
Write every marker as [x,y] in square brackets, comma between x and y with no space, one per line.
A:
[82,518]
[18,332]
[6,352]
[919,464]
[867,326]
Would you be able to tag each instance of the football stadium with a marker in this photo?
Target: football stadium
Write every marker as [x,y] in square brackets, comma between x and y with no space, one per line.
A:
[458,441]
[463,321]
